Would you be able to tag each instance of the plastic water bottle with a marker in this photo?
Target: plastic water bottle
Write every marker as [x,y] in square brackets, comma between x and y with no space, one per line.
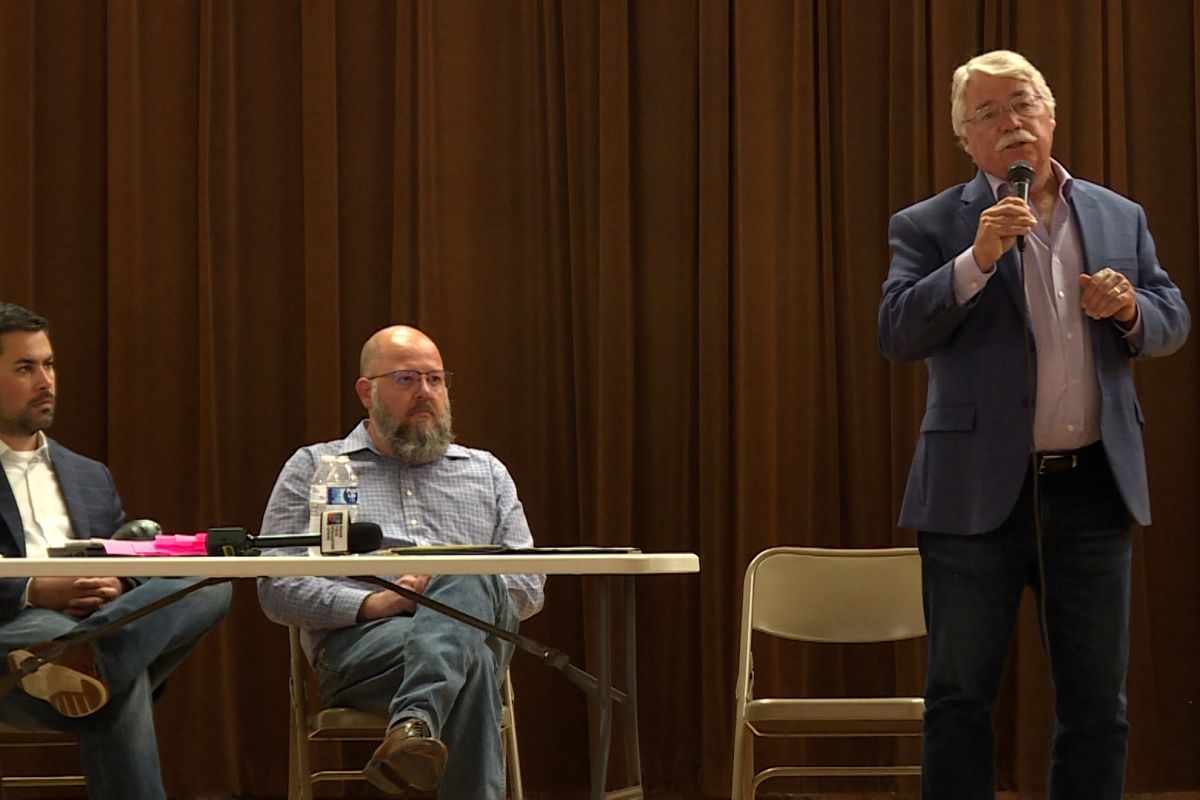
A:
[317,493]
[341,505]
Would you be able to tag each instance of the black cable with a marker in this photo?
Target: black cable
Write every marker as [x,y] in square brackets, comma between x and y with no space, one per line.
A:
[1034,466]
[548,655]
[60,646]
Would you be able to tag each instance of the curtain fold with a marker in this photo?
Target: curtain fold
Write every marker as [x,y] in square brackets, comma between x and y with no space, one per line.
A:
[649,239]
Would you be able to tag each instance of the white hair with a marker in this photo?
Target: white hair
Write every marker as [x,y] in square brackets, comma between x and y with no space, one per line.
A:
[1002,64]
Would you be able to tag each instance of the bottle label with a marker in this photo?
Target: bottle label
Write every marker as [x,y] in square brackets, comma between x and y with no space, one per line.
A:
[341,495]
[335,531]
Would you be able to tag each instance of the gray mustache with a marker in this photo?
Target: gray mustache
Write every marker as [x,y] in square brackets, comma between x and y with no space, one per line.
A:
[1012,137]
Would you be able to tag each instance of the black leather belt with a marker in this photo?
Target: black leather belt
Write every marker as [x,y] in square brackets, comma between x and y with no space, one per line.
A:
[1060,463]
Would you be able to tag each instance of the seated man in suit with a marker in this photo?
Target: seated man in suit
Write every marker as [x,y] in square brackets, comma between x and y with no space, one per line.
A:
[101,691]
[437,679]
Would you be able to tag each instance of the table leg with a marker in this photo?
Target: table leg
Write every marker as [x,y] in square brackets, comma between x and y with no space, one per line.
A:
[632,789]
[633,760]
[603,724]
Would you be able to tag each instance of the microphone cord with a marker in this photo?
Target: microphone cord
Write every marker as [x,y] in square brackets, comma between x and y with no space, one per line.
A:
[63,644]
[1035,472]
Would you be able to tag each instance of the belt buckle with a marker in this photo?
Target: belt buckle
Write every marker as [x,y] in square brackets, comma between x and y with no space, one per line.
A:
[1050,458]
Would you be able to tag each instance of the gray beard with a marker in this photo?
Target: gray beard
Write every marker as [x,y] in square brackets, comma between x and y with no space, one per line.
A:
[415,444]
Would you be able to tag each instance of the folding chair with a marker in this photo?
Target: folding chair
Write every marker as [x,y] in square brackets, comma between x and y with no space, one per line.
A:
[352,724]
[834,596]
[16,736]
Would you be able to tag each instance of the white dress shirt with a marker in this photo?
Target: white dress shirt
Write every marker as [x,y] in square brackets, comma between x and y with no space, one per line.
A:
[39,498]
[1067,397]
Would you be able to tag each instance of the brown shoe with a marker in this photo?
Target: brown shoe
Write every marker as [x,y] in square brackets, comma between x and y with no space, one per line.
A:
[409,757]
[71,683]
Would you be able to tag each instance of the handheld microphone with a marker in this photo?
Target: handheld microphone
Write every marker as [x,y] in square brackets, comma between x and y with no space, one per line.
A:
[1020,176]
[362,537]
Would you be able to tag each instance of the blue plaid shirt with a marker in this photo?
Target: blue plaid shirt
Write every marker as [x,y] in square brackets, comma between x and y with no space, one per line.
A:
[468,497]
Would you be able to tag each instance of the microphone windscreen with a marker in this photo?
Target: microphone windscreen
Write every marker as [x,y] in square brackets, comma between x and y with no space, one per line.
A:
[364,537]
[138,530]
[1019,172]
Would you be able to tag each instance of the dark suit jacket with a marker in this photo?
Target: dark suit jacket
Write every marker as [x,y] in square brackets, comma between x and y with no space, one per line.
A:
[92,504]
[974,442]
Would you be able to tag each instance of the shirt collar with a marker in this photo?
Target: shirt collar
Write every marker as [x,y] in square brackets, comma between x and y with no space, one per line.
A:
[1066,183]
[41,451]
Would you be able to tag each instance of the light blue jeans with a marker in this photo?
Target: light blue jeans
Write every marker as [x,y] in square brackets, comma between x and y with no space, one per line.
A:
[117,745]
[435,668]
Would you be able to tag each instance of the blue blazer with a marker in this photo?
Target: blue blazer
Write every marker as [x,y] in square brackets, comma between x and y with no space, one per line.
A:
[974,442]
[93,506]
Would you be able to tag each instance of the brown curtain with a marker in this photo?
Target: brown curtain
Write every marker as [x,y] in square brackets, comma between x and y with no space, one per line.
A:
[649,238]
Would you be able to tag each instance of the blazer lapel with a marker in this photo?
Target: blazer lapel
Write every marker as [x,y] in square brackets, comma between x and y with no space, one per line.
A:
[1088,218]
[977,197]
[65,474]
[12,516]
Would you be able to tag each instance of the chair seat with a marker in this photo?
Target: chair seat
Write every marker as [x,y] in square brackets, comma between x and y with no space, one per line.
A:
[11,734]
[16,736]
[346,723]
[842,716]
[342,722]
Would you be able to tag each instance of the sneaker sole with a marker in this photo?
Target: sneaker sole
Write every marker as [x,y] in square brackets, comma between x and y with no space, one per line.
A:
[69,691]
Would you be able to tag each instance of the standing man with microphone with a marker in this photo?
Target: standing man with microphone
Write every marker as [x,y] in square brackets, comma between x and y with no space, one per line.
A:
[1029,469]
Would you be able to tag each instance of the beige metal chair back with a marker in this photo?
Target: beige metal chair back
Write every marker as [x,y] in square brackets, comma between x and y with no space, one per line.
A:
[15,736]
[832,596]
[352,724]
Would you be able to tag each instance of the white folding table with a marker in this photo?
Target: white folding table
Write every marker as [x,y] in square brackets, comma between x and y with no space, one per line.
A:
[604,567]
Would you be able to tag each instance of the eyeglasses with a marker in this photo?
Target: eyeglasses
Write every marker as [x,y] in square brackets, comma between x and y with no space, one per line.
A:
[1023,105]
[408,379]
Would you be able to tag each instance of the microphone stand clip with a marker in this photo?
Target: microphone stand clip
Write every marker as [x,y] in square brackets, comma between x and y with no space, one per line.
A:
[230,542]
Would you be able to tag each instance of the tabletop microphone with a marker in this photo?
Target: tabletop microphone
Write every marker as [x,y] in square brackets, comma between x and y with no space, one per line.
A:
[1020,176]
[362,537]
[137,530]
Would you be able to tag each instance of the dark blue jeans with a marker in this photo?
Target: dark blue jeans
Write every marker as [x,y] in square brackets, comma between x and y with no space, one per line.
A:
[973,586]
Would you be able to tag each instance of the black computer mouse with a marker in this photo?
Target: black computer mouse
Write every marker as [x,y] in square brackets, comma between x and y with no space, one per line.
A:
[138,529]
